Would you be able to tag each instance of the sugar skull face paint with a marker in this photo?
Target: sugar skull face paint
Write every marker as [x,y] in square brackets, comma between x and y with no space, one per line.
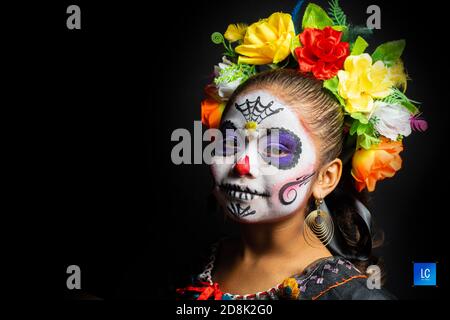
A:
[270,159]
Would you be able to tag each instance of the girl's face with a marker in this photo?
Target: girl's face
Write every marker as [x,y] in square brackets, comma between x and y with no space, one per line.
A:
[266,160]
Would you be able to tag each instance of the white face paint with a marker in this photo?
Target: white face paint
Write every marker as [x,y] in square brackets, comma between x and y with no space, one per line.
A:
[268,176]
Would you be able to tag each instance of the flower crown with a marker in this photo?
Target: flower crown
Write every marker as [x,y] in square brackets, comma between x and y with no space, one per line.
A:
[369,87]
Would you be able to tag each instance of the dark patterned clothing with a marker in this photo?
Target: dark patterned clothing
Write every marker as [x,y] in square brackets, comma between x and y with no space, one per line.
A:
[332,278]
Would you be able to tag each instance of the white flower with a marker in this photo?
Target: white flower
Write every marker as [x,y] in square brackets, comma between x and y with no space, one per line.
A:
[391,120]
[228,76]
[226,89]
[222,66]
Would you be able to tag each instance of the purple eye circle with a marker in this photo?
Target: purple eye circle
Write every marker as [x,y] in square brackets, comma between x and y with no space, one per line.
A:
[280,147]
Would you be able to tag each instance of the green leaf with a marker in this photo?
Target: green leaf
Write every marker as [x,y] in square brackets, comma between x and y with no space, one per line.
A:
[365,133]
[354,127]
[389,52]
[362,128]
[332,85]
[398,97]
[315,17]
[217,38]
[339,98]
[337,13]
[366,141]
[295,43]
[412,108]
[360,117]
[339,28]
[359,46]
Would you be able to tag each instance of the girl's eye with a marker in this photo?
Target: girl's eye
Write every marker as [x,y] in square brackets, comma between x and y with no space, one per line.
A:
[230,146]
[230,142]
[281,148]
[276,151]
[227,147]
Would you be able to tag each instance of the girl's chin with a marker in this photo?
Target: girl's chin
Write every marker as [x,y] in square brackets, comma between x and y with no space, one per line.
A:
[258,218]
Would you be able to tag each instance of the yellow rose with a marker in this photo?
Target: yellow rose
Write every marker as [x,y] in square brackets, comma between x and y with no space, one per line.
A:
[235,32]
[268,40]
[361,81]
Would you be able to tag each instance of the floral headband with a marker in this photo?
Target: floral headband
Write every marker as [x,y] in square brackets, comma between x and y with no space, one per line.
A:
[369,87]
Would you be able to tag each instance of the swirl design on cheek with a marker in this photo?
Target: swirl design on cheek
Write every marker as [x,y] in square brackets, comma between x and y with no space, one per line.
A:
[288,189]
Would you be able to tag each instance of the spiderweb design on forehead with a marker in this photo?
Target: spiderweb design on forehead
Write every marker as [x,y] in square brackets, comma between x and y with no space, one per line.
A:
[255,111]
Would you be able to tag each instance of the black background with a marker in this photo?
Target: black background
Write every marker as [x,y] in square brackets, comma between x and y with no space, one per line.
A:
[110,95]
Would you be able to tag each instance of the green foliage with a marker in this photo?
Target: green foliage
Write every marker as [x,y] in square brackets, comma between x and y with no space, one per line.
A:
[366,141]
[218,38]
[295,43]
[389,52]
[315,17]
[398,97]
[360,117]
[336,13]
[332,85]
[364,130]
[359,46]
[234,72]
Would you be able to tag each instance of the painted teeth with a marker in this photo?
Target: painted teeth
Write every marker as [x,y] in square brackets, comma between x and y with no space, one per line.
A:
[240,195]
[240,189]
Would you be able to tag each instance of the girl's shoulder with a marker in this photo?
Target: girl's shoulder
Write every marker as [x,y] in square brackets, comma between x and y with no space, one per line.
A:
[332,278]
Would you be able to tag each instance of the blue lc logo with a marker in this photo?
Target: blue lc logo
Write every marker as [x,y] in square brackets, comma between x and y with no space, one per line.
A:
[425,274]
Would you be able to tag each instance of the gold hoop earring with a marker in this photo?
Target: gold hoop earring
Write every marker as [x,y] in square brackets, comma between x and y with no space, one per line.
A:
[318,225]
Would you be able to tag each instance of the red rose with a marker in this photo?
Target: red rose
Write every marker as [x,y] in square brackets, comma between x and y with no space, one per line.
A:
[322,52]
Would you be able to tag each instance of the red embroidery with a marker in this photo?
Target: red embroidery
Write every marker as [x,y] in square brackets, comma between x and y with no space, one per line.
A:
[206,291]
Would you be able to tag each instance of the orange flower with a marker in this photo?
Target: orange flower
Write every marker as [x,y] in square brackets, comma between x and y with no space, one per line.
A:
[212,112]
[377,163]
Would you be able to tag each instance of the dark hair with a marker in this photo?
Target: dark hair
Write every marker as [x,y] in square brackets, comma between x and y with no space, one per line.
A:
[325,117]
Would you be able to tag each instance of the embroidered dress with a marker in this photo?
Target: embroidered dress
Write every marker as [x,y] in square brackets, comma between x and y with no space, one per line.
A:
[332,278]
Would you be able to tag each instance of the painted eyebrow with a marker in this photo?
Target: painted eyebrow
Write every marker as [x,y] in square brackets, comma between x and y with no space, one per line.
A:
[227,124]
[283,131]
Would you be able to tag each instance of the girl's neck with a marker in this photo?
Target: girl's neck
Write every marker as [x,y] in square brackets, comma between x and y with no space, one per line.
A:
[265,255]
[283,238]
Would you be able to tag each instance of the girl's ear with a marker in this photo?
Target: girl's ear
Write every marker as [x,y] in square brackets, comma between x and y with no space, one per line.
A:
[327,179]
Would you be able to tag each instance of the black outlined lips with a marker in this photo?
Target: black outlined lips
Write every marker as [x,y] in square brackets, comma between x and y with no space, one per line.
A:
[241,193]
